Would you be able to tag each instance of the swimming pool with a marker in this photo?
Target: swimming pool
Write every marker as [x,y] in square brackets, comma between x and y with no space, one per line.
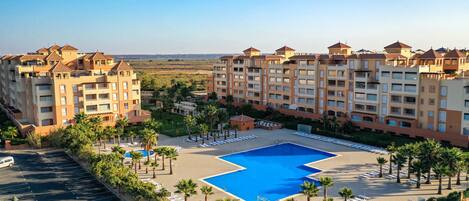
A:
[144,153]
[273,172]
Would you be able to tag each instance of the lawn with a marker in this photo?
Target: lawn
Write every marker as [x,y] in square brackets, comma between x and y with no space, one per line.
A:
[172,124]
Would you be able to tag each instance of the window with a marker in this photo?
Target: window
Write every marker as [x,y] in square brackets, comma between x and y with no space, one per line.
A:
[405,124]
[410,88]
[396,99]
[385,87]
[395,110]
[75,88]
[359,96]
[466,116]
[410,112]
[64,111]
[396,87]
[75,99]
[91,108]
[432,89]
[125,85]
[443,103]
[126,96]
[442,116]
[104,96]
[365,64]
[443,91]
[391,122]
[397,75]
[385,74]
[430,113]
[466,103]
[126,106]
[63,100]
[409,100]
[46,109]
[431,101]
[62,88]
[47,122]
[104,107]
[44,87]
[114,96]
[372,97]
[45,98]
[114,86]
[441,127]
[410,76]
[114,106]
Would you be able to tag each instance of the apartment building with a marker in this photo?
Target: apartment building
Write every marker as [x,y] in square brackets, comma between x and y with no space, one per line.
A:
[420,94]
[43,90]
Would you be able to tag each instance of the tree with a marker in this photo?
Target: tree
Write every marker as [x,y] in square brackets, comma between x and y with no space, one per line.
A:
[9,133]
[428,154]
[34,139]
[410,151]
[326,182]
[121,123]
[154,165]
[80,118]
[190,123]
[346,193]
[120,151]
[136,156]
[161,151]
[325,121]
[186,187]
[381,161]
[335,124]
[146,163]
[152,124]
[309,189]
[440,169]
[399,159]
[150,139]
[391,150]
[203,129]
[211,113]
[418,166]
[206,190]
[212,96]
[451,157]
[172,154]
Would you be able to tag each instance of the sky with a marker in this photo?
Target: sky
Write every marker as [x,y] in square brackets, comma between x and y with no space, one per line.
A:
[230,26]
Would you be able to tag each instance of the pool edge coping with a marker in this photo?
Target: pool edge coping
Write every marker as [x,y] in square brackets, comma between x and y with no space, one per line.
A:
[310,176]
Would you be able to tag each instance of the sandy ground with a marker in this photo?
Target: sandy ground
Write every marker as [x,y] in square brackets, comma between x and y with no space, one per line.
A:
[197,163]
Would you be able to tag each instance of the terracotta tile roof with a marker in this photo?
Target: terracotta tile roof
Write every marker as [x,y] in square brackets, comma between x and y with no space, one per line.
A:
[121,66]
[395,56]
[29,57]
[242,118]
[54,47]
[339,45]
[454,54]
[68,47]
[60,67]
[397,44]
[98,56]
[415,56]
[6,57]
[372,56]
[268,57]
[303,57]
[53,57]
[323,57]
[42,50]
[285,48]
[430,54]
[251,49]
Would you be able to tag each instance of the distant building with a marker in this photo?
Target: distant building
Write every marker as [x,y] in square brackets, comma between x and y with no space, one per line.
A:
[44,90]
[422,94]
[185,108]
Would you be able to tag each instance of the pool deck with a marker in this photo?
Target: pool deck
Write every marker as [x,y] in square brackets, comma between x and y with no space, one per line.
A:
[196,163]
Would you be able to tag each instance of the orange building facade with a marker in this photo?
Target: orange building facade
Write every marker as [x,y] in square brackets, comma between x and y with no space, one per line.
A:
[44,90]
[396,90]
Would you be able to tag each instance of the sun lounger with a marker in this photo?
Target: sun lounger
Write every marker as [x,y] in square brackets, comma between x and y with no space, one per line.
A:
[363,197]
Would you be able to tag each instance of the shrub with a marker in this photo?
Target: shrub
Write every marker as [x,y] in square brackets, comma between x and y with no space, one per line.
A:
[34,140]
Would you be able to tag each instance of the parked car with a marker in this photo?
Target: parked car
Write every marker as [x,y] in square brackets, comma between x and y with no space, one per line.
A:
[7,161]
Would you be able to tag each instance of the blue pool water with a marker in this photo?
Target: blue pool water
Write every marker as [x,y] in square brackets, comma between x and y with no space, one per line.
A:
[144,153]
[273,172]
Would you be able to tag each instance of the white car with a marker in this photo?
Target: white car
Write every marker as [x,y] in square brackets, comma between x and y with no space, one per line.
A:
[6,161]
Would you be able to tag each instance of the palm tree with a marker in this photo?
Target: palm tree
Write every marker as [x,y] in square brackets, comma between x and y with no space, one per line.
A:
[236,129]
[152,124]
[150,138]
[418,166]
[440,169]
[80,117]
[459,168]
[429,151]
[172,155]
[410,151]
[136,156]
[190,123]
[381,162]
[399,159]
[211,112]
[146,163]
[451,157]
[154,165]
[309,189]
[119,150]
[346,193]
[203,128]
[325,121]
[326,182]
[335,124]
[206,190]
[391,150]
[186,187]
[161,151]
[121,123]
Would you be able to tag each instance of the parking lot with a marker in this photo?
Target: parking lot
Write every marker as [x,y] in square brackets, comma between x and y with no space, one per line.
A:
[49,176]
